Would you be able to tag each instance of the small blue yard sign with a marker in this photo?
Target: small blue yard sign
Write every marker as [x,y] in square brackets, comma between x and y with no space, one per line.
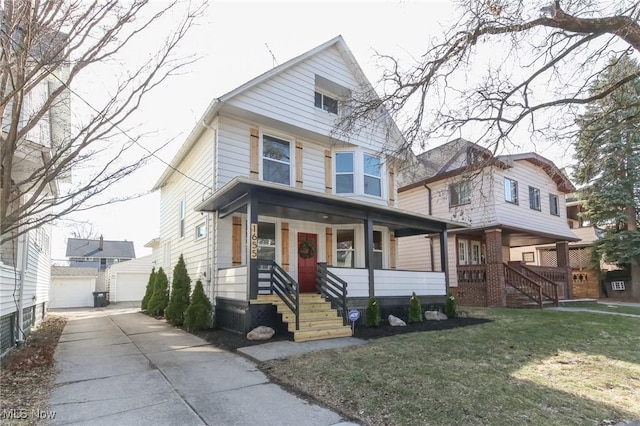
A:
[354,315]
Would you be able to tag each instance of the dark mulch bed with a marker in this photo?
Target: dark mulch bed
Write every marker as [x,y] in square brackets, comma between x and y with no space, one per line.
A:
[232,341]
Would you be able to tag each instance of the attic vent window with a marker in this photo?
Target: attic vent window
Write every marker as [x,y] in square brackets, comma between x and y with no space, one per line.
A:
[326,103]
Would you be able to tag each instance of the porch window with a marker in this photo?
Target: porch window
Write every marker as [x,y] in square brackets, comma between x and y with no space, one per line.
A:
[345,248]
[463,252]
[534,198]
[510,191]
[554,205]
[344,173]
[476,253]
[459,193]
[276,160]
[377,250]
[372,175]
[266,241]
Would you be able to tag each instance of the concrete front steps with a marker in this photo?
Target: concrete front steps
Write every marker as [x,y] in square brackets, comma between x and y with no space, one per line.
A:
[317,319]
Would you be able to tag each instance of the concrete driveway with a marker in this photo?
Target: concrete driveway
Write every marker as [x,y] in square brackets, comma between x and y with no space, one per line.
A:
[120,367]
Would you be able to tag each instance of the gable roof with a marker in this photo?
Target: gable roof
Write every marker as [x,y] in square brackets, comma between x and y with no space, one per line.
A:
[438,161]
[70,271]
[77,247]
[561,180]
[217,103]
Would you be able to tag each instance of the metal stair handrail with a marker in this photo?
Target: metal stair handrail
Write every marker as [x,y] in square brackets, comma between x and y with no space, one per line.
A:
[284,286]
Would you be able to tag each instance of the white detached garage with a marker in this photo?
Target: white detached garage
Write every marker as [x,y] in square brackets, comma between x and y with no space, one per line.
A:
[72,287]
[127,281]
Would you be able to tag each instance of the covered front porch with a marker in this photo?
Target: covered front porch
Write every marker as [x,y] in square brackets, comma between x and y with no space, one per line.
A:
[488,274]
[283,241]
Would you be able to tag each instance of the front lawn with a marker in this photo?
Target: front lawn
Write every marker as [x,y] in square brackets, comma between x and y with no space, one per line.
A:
[603,306]
[525,367]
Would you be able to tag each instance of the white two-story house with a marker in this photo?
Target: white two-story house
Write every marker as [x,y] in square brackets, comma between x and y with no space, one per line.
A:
[265,197]
[508,201]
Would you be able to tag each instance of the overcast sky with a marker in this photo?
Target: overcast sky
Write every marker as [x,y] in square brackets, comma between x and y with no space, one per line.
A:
[240,40]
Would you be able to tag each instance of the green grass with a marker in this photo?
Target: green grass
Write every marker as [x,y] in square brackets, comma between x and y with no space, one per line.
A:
[526,367]
[603,306]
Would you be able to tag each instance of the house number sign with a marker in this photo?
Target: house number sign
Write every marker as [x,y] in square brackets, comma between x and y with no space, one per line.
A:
[254,240]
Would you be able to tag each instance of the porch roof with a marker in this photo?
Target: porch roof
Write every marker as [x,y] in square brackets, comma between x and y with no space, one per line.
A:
[518,237]
[301,204]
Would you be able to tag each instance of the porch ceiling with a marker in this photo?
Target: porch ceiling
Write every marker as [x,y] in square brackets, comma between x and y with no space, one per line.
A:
[516,237]
[299,204]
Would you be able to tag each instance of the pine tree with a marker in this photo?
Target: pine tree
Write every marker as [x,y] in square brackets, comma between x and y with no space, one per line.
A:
[180,290]
[198,314]
[373,313]
[415,309]
[160,297]
[608,167]
[149,290]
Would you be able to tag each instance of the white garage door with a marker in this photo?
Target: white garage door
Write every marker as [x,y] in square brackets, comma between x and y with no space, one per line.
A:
[129,287]
[71,292]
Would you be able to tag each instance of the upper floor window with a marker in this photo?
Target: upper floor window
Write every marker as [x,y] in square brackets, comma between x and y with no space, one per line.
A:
[510,191]
[459,193]
[372,175]
[344,173]
[276,160]
[183,214]
[554,205]
[326,102]
[534,198]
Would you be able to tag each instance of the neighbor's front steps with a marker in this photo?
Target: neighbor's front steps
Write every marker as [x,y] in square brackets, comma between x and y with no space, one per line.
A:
[318,320]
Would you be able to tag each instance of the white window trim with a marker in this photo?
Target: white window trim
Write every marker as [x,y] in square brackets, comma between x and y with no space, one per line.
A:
[517,195]
[465,252]
[353,173]
[539,207]
[292,156]
[385,246]
[182,217]
[459,184]
[479,246]
[556,198]
[356,241]
[327,94]
[358,174]
[364,174]
[198,226]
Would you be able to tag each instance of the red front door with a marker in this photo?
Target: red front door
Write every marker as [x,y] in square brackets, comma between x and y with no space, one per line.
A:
[307,261]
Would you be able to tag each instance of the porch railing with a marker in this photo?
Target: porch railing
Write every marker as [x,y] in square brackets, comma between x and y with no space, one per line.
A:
[556,275]
[280,283]
[332,287]
[472,273]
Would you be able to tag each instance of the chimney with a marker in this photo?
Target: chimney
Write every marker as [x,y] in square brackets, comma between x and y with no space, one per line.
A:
[101,245]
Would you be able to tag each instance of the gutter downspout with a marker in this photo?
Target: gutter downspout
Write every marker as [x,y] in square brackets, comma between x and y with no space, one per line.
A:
[20,337]
[211,264]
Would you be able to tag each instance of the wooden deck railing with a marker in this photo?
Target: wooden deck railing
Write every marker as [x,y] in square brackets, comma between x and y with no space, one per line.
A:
[334,288]
[523,284]
[280,283]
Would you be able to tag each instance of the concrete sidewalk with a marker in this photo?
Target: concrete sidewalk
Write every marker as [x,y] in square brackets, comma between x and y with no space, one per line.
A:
[120,367]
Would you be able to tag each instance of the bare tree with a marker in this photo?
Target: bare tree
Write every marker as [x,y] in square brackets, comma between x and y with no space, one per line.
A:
[47,47]
[505,66]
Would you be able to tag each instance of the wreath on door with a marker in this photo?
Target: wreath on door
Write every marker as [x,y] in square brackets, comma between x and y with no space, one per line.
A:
[306,250]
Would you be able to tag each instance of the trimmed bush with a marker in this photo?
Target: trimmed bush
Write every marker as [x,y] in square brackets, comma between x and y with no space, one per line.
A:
[160,297]
[198,314]
[415,309]
[149,290]
[180,290]
[373,313]
[450,309]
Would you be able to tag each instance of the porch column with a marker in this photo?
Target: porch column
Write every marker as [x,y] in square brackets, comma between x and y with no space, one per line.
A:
[368,253]
[562,253]
[252,247]
[444,258]
[495,269]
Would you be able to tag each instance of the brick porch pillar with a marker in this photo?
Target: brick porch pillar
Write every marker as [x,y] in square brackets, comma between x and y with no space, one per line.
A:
[495,269]
[562,253]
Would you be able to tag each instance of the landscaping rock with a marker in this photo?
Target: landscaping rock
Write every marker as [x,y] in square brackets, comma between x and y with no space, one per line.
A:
[442,317]
[431,315]
[261,333]
[396,322]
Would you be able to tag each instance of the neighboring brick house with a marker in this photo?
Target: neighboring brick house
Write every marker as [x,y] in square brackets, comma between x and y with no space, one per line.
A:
[508,201]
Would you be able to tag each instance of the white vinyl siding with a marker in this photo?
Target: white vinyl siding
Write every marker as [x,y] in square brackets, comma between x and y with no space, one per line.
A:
[197,165]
